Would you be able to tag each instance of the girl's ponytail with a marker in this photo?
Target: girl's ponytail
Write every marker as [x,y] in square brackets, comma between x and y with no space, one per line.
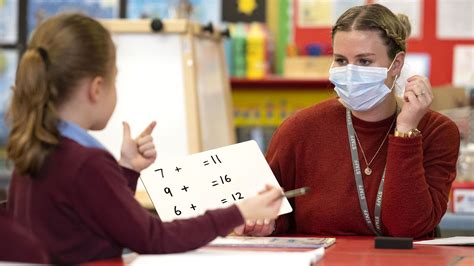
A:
[64,50]
[32,114]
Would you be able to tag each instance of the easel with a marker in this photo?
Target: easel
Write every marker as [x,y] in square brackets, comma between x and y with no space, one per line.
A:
[164,76]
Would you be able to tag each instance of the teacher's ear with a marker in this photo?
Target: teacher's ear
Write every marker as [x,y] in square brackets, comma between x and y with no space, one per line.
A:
[397,65]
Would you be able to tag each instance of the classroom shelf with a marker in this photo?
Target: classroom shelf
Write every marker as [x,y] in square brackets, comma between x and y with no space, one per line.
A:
[455,224]
[276,82]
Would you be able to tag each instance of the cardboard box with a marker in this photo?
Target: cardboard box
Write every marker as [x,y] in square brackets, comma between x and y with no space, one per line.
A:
[307,67]
[449,97]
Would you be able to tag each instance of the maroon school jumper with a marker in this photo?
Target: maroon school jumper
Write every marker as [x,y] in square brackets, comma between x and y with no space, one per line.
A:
[82,207]
[311,149]
[17,244]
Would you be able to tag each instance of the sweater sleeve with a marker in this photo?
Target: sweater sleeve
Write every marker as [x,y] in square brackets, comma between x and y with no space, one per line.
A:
[132,178]
[106,204]
[418,180]
[281,158]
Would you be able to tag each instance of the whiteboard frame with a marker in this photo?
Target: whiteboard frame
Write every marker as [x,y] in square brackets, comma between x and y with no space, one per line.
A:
[144,26]
[216,36]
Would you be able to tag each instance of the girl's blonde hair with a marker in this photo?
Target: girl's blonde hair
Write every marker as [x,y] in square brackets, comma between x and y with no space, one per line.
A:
[64,50]
[394,29]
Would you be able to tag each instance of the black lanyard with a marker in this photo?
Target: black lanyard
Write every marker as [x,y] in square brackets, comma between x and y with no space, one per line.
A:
[360,184]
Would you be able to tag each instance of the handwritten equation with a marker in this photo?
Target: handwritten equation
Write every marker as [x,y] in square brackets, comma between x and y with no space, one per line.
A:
[183,188]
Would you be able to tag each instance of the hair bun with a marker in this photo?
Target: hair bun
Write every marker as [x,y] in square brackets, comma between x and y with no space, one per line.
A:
[406,24]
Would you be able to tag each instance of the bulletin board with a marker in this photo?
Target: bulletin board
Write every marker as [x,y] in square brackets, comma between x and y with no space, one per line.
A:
[9,13]
[8,64]
[176,77]
[428,40]
[40,10]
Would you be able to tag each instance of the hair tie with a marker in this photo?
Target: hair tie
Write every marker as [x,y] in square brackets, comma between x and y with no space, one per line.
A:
[43,54]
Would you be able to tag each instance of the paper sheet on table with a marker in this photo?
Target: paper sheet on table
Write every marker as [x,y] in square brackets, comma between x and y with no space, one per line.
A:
[211,257]
[272,242]
[457,240]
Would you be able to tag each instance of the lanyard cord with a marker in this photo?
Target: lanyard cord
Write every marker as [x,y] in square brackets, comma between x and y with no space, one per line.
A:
[360,184]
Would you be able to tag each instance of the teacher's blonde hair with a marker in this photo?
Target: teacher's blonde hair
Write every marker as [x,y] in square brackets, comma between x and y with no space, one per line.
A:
[394,29]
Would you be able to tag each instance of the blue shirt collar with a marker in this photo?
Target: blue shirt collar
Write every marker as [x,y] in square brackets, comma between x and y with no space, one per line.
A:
[78,134]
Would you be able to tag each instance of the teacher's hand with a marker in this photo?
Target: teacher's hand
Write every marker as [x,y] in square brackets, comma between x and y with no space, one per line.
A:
[256,228]
[417,99]
[260,208]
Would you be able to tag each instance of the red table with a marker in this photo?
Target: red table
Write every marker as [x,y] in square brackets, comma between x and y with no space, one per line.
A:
[361,251]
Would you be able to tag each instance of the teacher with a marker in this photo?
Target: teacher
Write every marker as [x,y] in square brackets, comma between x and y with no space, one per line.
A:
[374,166]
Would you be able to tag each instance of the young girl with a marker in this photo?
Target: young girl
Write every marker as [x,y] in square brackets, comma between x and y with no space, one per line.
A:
[66,188]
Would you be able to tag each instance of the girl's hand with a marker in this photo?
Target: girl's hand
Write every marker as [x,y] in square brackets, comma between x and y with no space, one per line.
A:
[264,206]
[139,153]
[417,99]
[263,227]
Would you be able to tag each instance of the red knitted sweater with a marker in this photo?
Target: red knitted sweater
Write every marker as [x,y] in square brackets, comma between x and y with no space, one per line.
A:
[311,149]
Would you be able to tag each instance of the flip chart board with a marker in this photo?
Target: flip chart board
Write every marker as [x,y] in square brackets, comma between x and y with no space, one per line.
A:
[176,77]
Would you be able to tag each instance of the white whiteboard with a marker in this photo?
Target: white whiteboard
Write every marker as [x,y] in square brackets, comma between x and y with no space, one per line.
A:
[150,87]
[189,186]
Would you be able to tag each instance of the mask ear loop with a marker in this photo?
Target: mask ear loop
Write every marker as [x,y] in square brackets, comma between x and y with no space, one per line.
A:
[393,61]
[339,98]
[397,109]
[391,65]
[396,76]
[394,82]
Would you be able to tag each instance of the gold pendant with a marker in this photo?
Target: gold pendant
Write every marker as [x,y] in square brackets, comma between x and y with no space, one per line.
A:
[368,171]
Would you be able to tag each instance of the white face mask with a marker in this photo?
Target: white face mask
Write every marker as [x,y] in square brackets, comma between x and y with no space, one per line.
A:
[360,88]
